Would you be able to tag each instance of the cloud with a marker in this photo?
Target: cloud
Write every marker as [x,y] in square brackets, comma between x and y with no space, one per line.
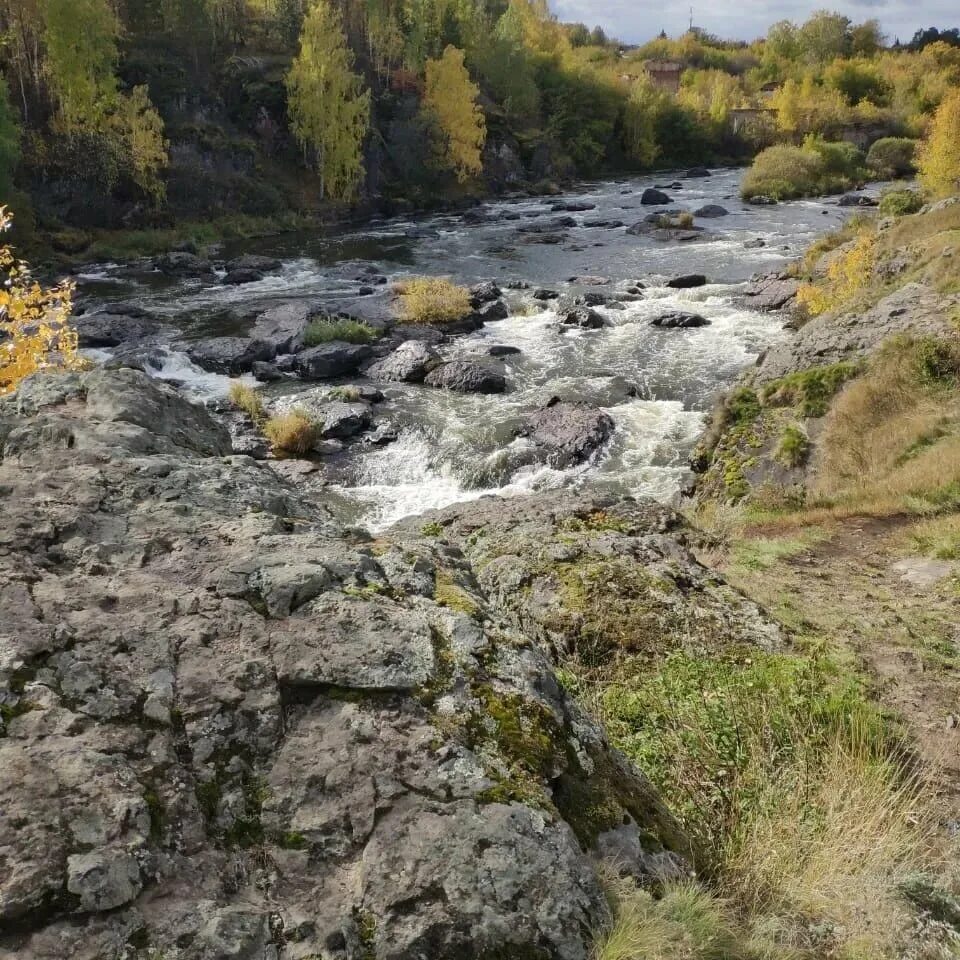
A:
[636,21]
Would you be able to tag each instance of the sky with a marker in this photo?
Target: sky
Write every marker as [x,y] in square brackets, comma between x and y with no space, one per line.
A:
[635,21]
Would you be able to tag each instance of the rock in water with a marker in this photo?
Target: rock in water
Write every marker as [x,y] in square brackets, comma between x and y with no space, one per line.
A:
[568,433]
[653,197]
[467,376]
[678,318]
[687,281]
[409,363]
[336,359]
[711,211]
[230,355]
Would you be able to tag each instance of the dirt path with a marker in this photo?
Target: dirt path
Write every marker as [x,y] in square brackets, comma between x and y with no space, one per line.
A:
[860,586]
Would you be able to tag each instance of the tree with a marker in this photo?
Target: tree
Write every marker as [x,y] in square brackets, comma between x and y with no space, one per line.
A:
[35,333]
[824,37]
[866,39]
[329,108]
[938,159]
[783,41]
[81,57]
[640,122]
[139,125]
[451,97]
[9,143]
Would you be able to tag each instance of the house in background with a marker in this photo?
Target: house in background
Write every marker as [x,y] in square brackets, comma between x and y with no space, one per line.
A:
[664,74]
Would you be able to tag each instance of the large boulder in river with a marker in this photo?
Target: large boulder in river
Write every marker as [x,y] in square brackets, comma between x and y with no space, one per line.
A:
[711,211]
[468,376]
[114,324]
[183,264]
[252,261]
[651,197]
[583,317]
[857,200]
[696,172]
[230,355]
[335,359]
[567,433]
[409,363]
[686,281]
[284,324]
[485,292]
[678,318]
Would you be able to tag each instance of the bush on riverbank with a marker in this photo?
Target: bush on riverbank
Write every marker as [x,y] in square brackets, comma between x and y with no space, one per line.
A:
[892,157]
[431,300]
[899,203]
[818,167]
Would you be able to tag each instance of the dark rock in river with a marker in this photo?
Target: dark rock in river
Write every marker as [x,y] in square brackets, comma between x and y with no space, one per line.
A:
[337,359]
[652,197]
[567,433]
[183,264]
[265,372]
[754,244]
[541,293]
[582,317]
[695,172]
[574,206]
[678,318]
[115,324]
[772,292]
[236,278]
[409,363]
[502,350]
[711,211]
[467,376]
[687,281]
[857,200]
[600,222]
[285,324]
[230,355]
[552,225]
[497,310]
[341,420]
[252,261]
[485,292]
[571,301]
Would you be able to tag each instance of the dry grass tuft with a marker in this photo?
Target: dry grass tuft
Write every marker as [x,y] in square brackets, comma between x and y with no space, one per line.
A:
[291,434]
[249,400]
[431,300]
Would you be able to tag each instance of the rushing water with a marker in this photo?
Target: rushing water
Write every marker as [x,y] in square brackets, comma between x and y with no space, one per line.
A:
[455,447]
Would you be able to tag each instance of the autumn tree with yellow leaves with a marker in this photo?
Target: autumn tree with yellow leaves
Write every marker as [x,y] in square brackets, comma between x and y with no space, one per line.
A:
[451,99]
[938,159]
[35,331]
[328,104]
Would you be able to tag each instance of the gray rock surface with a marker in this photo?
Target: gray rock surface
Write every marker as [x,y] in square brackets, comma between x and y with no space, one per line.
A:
[284,325]
[116,324]
[335,359]
[653,197]
[678,318]
[711,211]
[772,292]
[232,729]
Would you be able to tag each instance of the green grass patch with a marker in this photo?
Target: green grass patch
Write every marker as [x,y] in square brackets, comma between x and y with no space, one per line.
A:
[338,329]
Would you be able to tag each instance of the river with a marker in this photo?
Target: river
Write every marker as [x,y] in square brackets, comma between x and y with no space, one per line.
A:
[454,447]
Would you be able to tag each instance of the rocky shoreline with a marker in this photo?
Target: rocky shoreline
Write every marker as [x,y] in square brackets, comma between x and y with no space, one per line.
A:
[231,727]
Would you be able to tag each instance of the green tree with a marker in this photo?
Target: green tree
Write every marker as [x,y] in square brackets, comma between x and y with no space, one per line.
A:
[81,57]
[866,39]
[451,97]
[640,122]
[9,144]
[825,36]
[328,105]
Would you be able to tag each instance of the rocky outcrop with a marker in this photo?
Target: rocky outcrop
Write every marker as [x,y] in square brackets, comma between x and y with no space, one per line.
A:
[678,318]
[335,359]
[828,339]
[772,292]
[113,324]
[285,324]
[687,281]
[232,729]
[653,197]
[230,355]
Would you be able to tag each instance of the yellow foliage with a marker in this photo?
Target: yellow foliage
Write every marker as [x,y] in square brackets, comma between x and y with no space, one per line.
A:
[431,300]
[291,434]
[35,333]
[452,97]
[938,159]
[248,400]
[849,273]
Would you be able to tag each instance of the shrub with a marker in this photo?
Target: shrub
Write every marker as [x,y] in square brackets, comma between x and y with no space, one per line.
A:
[338,328]
[291,434]
[841,160]
[794,447]
[783,172]
[35,333]
[938,158]
[849,274]
[249,400]
[347,394]
[892,157]
[898,203]
[810,390]
[431,300]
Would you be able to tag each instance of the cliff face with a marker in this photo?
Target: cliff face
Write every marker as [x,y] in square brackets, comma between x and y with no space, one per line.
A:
[230,728]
